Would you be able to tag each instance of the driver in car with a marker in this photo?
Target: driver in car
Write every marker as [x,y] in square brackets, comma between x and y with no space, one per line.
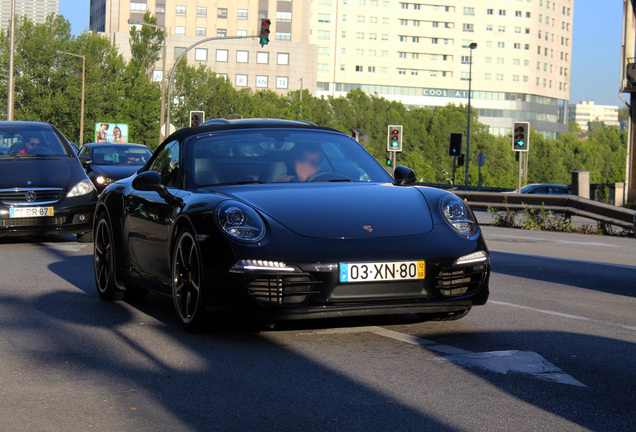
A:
[306,163]
[29,144]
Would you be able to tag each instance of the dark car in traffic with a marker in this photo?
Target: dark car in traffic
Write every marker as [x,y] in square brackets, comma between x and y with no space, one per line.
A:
[545,188]
[43,187]
[285,220]
[106,163]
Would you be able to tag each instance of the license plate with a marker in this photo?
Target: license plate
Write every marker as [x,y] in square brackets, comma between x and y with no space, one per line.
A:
[25,212]
[384,271]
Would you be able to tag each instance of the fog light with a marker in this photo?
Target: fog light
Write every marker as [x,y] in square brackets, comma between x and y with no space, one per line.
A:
[82,218]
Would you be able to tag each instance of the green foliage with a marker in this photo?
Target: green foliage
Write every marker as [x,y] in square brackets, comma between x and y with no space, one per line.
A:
[48,88]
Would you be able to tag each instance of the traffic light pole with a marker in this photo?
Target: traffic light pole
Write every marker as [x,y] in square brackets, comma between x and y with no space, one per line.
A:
[520,170]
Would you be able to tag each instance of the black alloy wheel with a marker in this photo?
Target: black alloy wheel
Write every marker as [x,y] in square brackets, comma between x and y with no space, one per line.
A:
[187,282]
[104,260]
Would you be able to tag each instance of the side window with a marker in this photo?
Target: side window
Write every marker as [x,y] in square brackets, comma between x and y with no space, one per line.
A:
[167,165]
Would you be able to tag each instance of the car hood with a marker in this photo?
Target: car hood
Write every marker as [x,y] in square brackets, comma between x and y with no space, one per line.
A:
[37,172]
[115,172]
[343,210]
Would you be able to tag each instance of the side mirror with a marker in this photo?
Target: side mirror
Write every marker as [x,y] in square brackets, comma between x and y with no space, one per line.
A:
[150,181]
[403,175]
[85,161]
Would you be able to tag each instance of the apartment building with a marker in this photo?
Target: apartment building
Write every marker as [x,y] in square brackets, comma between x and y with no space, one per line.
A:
[287,63]
[587,111]
[417,52]
[35,10]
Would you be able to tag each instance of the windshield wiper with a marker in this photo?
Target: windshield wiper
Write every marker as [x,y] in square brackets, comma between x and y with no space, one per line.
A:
[234,183]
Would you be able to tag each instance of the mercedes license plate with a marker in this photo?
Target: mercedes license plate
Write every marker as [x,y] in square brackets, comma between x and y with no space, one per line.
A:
[26,212]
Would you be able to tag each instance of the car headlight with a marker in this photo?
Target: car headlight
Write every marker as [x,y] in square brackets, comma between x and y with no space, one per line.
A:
[82,188]
[240,221]
[458,215]
[104,180]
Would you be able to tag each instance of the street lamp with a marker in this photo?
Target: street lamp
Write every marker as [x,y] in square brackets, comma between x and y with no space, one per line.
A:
[81,135]
[472,46]
[163,72]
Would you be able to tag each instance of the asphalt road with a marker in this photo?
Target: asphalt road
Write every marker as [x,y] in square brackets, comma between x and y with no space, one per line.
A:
[553,350]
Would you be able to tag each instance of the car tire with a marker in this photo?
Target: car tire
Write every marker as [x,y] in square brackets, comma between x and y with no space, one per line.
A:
[187,282]
[444,316]
[85,238]
[104,260]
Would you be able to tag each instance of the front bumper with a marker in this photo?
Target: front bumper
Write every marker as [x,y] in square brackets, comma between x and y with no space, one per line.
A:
[315,291]
[67,219]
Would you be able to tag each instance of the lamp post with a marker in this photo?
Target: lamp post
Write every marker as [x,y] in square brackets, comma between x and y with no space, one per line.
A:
[81,135]
[162,113]
[183,54]
[11,81]
[472,46]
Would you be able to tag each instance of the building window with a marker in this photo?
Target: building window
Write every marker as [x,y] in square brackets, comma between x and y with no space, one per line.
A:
[241,32]
[373,36]
[160,9]
[261,81]
[282,82]
[221,33]
[359,52]
[283,36]
[241,80]
[201,54]
[323,34]
[401,71]
[501,29]
[181,10]
[221,55]
[359,68]
[201,31]
[241,14]
[360,35]
[202,11]
[283,16]
[138,7]
[262,57]
[326,18]
[360,18]
[323,67]
[469,11]
[222,13]
[179,30]
[468,27]
[283,59]
[371,69]
[489,11]
[502,12]
[242,56]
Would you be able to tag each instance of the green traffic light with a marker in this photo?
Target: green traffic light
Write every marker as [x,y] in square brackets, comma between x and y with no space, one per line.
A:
[520,143]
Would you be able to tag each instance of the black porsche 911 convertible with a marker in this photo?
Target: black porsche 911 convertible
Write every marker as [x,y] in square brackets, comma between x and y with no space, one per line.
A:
[283,219]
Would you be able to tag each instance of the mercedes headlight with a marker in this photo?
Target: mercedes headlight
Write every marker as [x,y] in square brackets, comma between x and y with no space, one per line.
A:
[82,188]
[458,215]
[240,221]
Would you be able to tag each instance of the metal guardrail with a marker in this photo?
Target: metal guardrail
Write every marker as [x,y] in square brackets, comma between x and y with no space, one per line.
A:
[570,205]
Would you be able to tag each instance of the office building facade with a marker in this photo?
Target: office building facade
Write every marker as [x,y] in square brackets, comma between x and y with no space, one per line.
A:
[587,111]
[417,53]
[35,10]
[286,63]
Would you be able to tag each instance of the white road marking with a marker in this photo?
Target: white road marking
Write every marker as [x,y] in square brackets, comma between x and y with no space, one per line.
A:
[563,315]
[526,362]
[66,247]
[625,266]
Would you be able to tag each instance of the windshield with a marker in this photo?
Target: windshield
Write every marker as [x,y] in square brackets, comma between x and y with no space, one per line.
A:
[279,156]
[120,154]
[18,140]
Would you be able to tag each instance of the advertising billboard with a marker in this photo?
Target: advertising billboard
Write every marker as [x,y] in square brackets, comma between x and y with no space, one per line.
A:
[111,132]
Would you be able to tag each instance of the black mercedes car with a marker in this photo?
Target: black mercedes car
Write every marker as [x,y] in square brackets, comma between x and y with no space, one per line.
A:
[285,220]
[106,162]
[43,187]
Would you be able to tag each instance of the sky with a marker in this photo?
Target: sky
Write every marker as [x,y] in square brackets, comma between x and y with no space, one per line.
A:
[596,46]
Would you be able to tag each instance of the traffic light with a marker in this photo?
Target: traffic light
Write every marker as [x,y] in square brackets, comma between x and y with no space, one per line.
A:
[394,141]
[455,147]
[460,160]
[263,37]
[389,160]
[521,136]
